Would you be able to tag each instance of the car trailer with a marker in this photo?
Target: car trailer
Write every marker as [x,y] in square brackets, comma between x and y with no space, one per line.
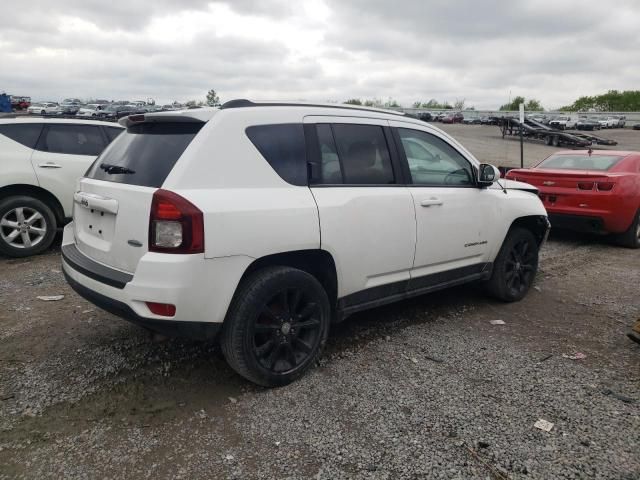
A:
[533,130]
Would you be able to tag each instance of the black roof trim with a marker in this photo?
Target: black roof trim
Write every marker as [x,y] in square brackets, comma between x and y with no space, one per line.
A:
[243,102]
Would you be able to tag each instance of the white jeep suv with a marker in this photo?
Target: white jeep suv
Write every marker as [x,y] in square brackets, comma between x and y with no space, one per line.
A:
[262,223]
[41,161]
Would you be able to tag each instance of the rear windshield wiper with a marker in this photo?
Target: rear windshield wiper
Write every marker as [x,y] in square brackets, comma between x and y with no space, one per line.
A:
[115,169]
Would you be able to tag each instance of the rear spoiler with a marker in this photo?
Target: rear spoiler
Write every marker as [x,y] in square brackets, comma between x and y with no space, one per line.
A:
[200,115]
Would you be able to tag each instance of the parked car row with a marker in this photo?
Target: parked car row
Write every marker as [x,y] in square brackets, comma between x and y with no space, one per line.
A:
[103,110]
[583,122]
[456,117]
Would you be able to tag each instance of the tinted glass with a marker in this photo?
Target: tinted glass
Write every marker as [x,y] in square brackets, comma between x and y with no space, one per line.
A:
[330,171]
[432,161]
[283,147]
[113,132]
[363,153]
[144,154]
[72,140]
[580,162]
[25,133]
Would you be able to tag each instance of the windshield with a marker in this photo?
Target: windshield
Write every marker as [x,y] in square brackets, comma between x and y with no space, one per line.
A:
[580,162]
[144,154]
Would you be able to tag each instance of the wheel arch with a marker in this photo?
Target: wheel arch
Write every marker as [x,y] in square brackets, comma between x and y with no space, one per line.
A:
[36,192]
[536,224]
[316,262]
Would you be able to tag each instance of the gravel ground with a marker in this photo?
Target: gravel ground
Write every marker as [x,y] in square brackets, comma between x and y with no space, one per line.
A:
[426,388]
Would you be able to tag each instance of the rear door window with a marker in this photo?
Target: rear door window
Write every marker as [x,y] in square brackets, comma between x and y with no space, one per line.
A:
[363,153]
[26,134]
[72,140]
[144,154]
[283,146]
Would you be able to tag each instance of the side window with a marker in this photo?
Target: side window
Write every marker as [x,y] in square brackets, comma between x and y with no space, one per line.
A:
[24,133]
[283,146]
[363,154]
[432,161]
[72,139]
[113,132]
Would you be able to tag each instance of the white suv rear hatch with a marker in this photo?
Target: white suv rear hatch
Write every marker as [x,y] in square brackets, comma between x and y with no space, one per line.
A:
[112,204]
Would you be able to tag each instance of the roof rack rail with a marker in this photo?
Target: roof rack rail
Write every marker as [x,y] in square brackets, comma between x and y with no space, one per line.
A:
[243,102]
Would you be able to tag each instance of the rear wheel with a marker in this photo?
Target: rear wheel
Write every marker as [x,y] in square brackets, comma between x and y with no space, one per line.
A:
[631,238]
[515,266]
[27,226]
[555,141]
[276,326]
[547,140]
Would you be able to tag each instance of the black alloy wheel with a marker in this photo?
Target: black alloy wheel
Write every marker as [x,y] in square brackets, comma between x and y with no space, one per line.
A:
[276,326]
[286,331]
[515,267]
[520,266]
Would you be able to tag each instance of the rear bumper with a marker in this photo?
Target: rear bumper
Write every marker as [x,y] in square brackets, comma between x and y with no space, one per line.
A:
[578,223]
[201,289]
[172,328]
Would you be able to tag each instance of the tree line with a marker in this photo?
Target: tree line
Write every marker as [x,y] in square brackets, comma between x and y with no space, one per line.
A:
[612,101]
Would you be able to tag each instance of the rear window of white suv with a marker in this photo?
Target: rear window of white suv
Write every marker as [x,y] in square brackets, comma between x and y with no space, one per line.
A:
[144,154]
[24,133]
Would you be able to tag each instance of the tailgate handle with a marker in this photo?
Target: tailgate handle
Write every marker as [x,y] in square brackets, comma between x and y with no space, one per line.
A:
[49,165]
[96,202]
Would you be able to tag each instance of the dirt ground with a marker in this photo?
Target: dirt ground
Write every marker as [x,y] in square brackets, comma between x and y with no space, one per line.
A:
[426,388]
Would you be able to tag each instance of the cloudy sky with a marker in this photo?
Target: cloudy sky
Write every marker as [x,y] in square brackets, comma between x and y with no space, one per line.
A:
[319,50]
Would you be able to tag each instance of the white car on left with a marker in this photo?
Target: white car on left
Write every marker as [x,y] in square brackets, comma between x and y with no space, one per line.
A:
[42,158]
[91,110]
[43,108]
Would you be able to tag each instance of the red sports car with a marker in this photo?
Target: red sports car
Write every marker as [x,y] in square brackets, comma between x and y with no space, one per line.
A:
[590,191]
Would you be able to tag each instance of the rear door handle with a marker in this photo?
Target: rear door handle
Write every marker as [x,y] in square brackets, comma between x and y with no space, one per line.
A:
[49,165]
[430,202]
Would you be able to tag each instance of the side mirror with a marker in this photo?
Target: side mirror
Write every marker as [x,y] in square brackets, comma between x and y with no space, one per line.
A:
[487,175]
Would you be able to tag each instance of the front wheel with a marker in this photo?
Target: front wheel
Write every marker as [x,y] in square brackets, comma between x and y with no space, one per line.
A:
[515,266]
[276,326]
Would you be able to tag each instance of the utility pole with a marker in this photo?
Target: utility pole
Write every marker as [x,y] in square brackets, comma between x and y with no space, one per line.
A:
[521,135]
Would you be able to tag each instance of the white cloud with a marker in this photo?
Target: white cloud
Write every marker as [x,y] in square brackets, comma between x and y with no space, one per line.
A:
[320,49]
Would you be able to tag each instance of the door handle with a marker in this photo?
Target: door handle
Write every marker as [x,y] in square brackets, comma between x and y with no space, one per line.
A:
[430,202]
[49,165]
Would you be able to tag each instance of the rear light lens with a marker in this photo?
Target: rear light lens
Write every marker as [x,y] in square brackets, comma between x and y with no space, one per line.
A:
[175,224]
[585,185]
[605,186]
[163,309]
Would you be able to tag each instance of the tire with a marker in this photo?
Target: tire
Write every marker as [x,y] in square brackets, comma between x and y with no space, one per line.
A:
[631,238]
[555,141]
[515,266]
[42,112]
[276,326]
[27,226]
[547,140]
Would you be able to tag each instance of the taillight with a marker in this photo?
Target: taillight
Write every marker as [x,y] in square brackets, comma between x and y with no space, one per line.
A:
[605,186]
[175,224]
[585,185]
